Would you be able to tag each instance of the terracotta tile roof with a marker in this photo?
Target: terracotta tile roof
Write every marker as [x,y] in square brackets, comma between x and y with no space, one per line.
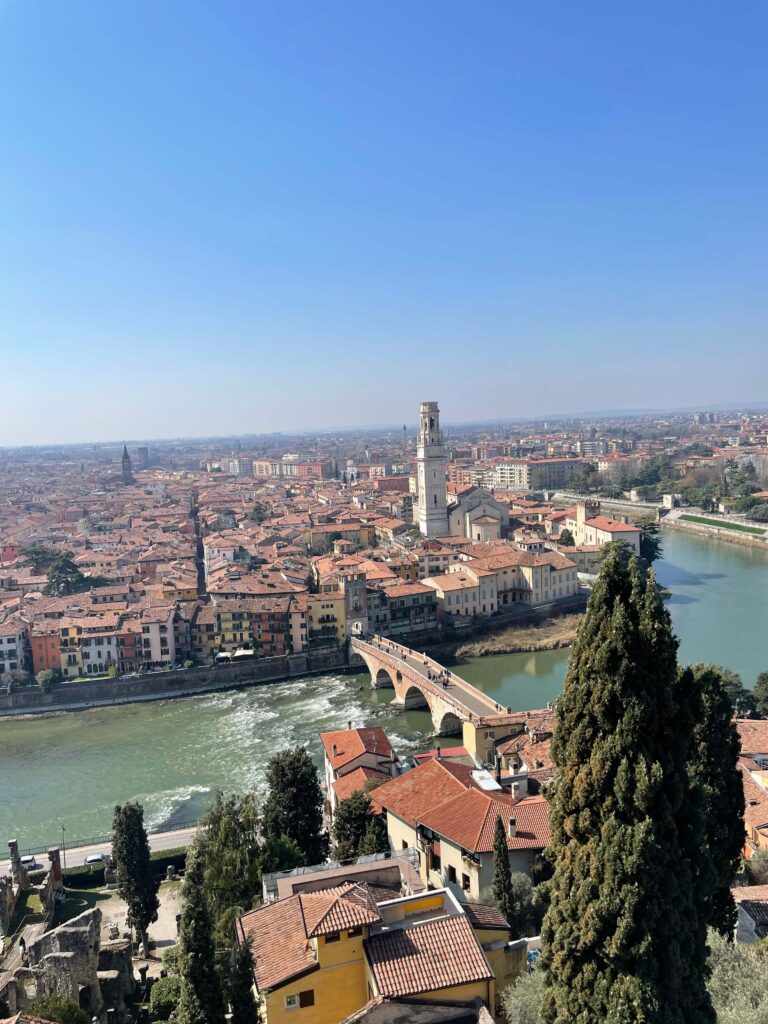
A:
[280,947]
[418,791]
[352,743]
[754,735]
[355,781]
[483,915]
[469,821]
[331,910]
[425,957]
[611,525]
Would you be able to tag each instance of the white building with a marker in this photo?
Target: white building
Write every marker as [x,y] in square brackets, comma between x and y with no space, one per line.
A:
[431,464]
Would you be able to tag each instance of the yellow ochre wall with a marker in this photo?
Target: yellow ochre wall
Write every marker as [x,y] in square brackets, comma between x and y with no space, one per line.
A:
[339,985]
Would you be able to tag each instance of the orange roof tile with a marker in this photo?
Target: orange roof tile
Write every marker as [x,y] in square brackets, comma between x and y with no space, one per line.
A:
[353,743]
[425,957]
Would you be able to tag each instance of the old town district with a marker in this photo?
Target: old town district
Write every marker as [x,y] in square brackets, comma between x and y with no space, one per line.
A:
[108,571]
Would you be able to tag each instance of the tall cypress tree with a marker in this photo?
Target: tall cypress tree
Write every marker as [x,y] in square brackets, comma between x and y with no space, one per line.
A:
[201,999]
[713,763]
[624,937]
[136,882]
[244,1009]
[503,896]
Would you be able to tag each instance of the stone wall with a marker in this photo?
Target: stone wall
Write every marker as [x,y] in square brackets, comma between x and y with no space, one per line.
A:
[164,685]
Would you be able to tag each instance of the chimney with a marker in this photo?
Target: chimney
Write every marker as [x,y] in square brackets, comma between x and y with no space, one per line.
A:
[349,725]
[498,768]
[437,751]
[512,828]
[333,750]
[515,791]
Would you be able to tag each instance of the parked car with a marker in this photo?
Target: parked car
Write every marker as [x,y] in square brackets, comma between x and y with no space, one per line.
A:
[29,862]
[97,860]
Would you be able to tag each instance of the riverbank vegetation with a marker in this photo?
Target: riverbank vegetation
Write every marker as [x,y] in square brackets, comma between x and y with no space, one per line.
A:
[548,635]
[722,524]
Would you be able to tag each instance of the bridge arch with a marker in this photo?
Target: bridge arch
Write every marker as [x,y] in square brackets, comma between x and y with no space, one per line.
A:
[414,698]
[449,725]
[382,679]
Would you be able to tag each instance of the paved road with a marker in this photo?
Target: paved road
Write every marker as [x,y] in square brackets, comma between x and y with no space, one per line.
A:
[77,855]
[462,692]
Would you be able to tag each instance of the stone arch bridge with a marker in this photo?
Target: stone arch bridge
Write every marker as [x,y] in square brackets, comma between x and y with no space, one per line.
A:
[421,682]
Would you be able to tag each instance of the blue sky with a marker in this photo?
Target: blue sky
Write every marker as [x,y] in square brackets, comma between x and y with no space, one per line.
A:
[244,216]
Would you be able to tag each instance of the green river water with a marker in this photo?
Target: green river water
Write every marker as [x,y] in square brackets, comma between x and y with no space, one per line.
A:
[72,769]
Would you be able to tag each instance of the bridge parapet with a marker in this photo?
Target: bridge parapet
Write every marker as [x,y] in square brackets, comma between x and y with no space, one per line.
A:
[419,680]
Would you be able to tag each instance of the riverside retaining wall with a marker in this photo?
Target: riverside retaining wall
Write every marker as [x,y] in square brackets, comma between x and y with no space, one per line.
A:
[163,685]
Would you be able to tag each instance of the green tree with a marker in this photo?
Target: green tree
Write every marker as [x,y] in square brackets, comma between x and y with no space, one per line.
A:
[738,987]
[234,859]
[136,882]
[742,700]
[64,577]
[242,1003]
[760,694]
[650,539]
[46,679]
[522,1001]
[624,938]
[56,1009]
[38,557]
[503,896]
[375,839]
[259,512]
[713,762]
[294,806]
[739,982]
[351,822]
[201,1000]
[165,995]
[565,538]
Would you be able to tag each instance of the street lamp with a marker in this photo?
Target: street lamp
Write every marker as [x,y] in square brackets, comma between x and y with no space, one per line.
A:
[63,850]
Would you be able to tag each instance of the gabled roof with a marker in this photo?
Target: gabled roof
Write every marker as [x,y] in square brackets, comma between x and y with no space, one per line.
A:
[418,791]
[434,955]
[469,821]
[352,743]
[356,781]
[281,932]
[345,906]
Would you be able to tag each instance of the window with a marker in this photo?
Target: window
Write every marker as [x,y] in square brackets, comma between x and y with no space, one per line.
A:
[405,845]
[291,1002]
[451,873]
[465,882]
[307,998]
[332,937]
[354,932]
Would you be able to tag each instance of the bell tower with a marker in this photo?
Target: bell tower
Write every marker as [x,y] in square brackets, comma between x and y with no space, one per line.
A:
[127,468]
[431,465]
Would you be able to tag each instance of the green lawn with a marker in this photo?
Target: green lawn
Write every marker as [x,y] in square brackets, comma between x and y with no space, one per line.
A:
[26,908]
[723,525]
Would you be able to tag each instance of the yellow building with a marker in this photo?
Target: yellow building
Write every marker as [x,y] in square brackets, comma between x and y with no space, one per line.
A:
[327,616]
[320,956]
[71,655]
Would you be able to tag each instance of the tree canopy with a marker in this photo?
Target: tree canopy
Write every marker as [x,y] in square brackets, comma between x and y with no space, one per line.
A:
[713,764]
[136,882]
[624,937]
[294,805]
[201,1000]
[356,828]
[233,859]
